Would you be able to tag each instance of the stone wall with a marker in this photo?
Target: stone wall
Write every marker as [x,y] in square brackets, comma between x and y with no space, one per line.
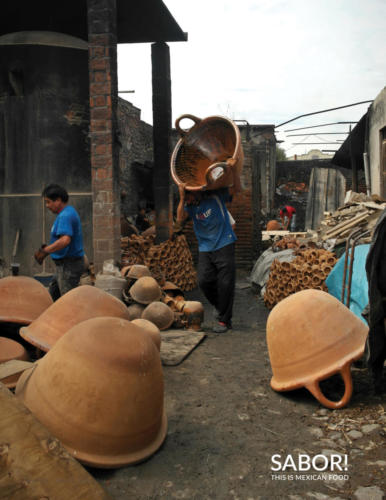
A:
[135,158]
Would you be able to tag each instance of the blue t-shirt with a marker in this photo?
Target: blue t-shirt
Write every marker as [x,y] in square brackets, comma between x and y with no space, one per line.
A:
[211,222]
[67,223]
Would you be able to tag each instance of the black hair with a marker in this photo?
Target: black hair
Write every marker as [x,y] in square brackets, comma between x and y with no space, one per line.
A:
[54,191]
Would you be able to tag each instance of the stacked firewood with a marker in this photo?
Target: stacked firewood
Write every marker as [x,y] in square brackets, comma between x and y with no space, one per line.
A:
[171,260]
[350,217]
[308,270]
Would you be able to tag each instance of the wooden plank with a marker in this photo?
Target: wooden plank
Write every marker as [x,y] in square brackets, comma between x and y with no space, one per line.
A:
[33,464]
[348,223]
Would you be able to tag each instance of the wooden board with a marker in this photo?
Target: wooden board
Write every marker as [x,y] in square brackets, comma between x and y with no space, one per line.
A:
[33,464]
[176,345]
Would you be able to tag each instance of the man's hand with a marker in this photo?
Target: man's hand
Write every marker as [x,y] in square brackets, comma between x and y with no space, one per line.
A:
[40,254]
[231,162]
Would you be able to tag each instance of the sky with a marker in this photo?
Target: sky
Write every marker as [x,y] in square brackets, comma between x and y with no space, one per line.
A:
[267,62]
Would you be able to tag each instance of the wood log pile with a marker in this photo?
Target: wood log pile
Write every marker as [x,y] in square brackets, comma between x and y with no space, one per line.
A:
[353,215]
[308,270]
[171,260]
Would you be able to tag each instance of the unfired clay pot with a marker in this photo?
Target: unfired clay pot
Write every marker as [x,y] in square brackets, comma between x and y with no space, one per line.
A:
[200,156]
[9,350]
[145,290]
[160,314]
[151,329]
[77,305]
[22,299]
[100,391]
[312,336]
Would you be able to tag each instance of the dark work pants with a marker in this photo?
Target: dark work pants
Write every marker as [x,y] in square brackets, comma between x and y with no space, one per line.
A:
[67,276]
[216,278]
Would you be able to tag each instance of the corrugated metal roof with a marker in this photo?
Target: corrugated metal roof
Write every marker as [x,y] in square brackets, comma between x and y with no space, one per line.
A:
[342,157]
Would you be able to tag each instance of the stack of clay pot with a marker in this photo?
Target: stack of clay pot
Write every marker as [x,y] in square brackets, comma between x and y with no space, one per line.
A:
[85,389]
[170,260]
[287,242]
[22,301]
[308,270]
[164,306]
[187,313]
[135,248]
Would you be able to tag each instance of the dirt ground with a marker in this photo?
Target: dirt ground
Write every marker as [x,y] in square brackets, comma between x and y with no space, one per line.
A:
[225,424]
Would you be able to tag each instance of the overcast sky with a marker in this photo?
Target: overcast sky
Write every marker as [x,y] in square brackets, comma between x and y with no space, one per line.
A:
[268,61]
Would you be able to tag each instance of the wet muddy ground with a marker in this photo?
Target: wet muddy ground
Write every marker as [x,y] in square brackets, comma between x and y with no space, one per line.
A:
[225,424]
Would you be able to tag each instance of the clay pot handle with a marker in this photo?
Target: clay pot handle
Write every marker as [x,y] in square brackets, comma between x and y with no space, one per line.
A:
[220,164]
[345,373]
[183,132]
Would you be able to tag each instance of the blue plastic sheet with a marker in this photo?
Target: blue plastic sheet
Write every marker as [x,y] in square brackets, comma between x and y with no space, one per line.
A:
[359,296]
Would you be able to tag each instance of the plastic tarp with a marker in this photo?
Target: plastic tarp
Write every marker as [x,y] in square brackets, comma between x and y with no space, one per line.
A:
[262,267]
[359,296]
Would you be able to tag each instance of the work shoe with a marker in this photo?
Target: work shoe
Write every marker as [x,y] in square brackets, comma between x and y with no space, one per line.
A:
[220,327]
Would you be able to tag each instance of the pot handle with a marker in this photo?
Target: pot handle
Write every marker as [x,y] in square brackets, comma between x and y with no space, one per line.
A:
[345,373]
[183,132]
[221,164]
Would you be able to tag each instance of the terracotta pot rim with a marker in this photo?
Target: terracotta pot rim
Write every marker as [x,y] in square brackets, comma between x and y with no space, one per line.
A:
[15,319]
[115,461]
[288,386]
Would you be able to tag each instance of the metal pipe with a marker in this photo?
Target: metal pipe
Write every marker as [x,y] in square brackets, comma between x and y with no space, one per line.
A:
[367,173]
[316,126]
[323,111]
[353,245]
[353,232]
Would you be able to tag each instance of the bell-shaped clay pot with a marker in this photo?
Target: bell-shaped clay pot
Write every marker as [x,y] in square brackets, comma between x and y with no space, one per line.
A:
[135,311]
[137,271]
[145,290]
[160,314]
[22,299]
[312,336]
[100,391]
[75,306]
[10,350]
[151,329]
[199,159]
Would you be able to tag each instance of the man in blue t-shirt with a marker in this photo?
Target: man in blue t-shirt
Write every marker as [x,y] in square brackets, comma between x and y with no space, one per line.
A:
[66,242]
[216,247]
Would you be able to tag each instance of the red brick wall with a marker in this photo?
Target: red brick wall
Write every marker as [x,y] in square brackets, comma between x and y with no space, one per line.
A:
[103,119]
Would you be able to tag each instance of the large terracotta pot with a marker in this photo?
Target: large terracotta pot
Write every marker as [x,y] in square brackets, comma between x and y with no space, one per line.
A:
[200,157]
[160,314]
[312,336]
[22,299]
[145,290]
[11,350]
[100,391]
[151,329]
[75,306]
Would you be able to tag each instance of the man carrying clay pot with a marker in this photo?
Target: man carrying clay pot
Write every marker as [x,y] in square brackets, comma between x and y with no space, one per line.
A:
[66,242]
[216,245]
